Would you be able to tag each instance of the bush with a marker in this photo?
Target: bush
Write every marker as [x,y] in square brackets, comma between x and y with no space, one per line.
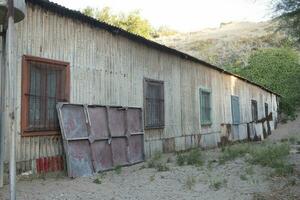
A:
[233,152]
[154,160]
[279,70]
[268,155]
[157,163]
[118,169]
[273,156]
[180,159]
[193,157]
[216,184]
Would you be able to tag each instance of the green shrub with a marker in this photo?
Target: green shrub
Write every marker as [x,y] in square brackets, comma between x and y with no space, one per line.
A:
[216,184]
[249,170]
[162,167]
[97,181]
[180,159]
[279,70]
[157,163]
[154,160]
[268,155]
[194,157]
[233,152]
[243,177]
[273,156]
[118,169]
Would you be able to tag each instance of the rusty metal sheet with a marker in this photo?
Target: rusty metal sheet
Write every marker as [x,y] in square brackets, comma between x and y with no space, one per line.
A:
[136,143]
[79,158]
[98,138]
[119,151]
[102,159]
[74,123]
[116,121]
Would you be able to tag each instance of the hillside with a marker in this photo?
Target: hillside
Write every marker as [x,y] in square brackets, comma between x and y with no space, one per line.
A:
[228,45]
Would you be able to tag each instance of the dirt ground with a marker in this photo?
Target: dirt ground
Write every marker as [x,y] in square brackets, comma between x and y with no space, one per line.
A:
[210,181]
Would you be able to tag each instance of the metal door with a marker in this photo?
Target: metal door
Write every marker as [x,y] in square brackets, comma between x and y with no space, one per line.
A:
[98,138]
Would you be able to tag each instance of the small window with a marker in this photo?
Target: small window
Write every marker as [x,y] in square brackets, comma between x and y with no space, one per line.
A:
[205,107]
[266,110]
[254,110]
[235,108]
[154,104]
[44,83]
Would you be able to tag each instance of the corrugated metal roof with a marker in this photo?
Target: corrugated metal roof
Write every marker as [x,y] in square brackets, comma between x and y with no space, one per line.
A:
[118,31]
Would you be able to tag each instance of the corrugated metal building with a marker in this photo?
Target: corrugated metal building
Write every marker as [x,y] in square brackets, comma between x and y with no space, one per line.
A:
[62,55]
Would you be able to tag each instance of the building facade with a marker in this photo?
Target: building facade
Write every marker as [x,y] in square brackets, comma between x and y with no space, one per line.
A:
[62,55]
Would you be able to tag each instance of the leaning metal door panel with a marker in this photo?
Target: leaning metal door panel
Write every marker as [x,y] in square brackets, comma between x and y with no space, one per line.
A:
[119,151]
[80,158]
[98,138]
[102,159]
[116,121]
[74,129]
[136,143]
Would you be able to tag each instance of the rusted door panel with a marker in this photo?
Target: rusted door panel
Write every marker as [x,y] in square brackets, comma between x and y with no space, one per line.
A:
[99,125]
[98,138]
[134,120]
[80,158]
[119,151]
[136,143]
[74,121]
[101,153]
[116,121]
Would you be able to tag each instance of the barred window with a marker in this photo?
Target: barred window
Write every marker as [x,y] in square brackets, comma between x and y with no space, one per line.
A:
[205,107]
[266,109]
[45,82]
[154,103]
[254,110]
[235,109]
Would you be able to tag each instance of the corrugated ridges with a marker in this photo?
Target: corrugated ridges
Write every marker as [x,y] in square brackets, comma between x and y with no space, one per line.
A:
[118,31]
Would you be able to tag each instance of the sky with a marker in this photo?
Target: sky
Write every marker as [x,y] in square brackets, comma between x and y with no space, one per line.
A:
[183,15]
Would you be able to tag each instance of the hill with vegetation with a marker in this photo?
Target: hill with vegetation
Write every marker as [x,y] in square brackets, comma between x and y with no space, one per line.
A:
[230,44]
[256,51]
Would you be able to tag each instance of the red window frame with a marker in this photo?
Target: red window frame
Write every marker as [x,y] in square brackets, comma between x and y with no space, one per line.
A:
[26,59]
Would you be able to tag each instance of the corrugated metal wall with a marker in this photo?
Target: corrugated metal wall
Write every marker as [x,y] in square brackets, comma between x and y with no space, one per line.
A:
[108,69]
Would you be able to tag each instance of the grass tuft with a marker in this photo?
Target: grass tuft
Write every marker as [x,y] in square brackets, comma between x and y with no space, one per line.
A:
[233,152]
[190,182]
[216,184]
[273,155]
[157,163]
[193,157]
[268,155]
[243,177]
[180,159]
[118,169]
[97,180]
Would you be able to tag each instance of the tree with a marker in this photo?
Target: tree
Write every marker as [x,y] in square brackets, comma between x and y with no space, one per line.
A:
[279,70]
[164,31]
[289,16]
[131,22]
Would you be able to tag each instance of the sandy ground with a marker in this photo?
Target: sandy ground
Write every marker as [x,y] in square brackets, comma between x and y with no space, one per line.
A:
[138,182]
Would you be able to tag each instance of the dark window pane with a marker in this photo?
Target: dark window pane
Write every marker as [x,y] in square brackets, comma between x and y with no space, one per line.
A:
[266,109]
[235,108]
[154,102]
[205,107]
[254,110]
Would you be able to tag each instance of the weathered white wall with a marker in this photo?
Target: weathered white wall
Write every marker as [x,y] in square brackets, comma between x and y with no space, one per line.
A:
[109,70]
